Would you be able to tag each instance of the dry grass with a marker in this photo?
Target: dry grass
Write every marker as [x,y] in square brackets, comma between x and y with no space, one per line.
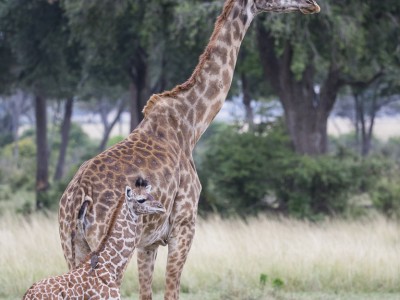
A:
[29,250]
[229,256]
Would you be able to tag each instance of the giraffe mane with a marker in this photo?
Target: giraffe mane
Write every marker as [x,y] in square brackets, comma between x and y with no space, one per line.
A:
[109,229]
[202,60]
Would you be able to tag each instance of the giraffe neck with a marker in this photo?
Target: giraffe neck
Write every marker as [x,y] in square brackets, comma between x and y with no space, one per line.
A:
[197,101]
[116,250]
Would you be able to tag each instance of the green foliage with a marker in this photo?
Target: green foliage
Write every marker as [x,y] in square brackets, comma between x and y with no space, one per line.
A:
[278,283]
[263,280]
[125,42]
[18,173]
[391,149]
[26,208]
[80,146]
[26,148]
[239,167]
[242,171]
[5,192]
[311,186]
[7,76]
[387,196]
[5,139]
[44,56]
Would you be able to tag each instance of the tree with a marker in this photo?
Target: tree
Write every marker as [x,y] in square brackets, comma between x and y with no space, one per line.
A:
[65,129]
[45,61]
[369,99]
[14,107]
[7,75]
[373,76]
[42,151]
[381,52]
[308,60]
[249,82]
[122,43]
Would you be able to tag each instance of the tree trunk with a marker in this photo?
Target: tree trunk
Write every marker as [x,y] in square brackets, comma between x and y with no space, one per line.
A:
[133,105]
[138,101]
[16,110]
[138,88]
[357,120]
[306,112]
[42,155]
[365,121]
[305,118]
[372,116]
[65,129]
[109,127]
[249,117]
[367,124]
[307,129]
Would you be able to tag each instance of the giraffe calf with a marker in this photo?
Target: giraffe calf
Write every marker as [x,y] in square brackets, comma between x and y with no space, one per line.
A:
[100,275]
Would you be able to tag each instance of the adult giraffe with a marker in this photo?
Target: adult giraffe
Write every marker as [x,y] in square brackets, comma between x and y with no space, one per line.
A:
[159,150]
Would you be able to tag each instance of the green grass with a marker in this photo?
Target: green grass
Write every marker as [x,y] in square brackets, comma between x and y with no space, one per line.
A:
[232,259]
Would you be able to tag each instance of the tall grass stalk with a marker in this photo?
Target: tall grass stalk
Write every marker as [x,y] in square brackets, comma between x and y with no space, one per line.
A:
[230,257]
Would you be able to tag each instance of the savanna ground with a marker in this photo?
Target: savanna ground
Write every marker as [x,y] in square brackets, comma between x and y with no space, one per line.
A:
[260,258]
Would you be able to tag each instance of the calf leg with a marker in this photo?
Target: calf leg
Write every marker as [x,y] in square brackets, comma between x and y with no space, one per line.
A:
[145,260]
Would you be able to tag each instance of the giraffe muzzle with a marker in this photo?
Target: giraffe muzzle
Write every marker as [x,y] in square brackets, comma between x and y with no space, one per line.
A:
[311,7]
[157,207]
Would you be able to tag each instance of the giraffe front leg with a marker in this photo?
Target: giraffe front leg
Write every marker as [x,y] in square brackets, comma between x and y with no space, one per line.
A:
[145,261]
[178,249]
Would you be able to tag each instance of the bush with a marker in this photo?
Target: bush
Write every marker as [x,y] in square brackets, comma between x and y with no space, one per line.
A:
[19,174]
[386,197]
[5,192]
[242,172]
[237,169]
[310,186]
[391,149]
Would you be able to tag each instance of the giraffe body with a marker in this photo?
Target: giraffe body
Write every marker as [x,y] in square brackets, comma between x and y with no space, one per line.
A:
[160,151]
[100,275]
[75,286]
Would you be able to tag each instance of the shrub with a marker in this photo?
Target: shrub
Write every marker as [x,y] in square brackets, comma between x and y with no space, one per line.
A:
[241,172]
[237,169]
[386,197]
[309,186]
[19,174]
[5,192]
[391,149]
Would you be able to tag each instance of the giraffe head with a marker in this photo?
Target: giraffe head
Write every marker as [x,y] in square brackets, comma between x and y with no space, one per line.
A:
[284,6]
[140,201]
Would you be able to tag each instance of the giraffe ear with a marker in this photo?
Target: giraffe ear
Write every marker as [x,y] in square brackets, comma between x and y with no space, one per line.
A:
[128,192]
[148,188]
